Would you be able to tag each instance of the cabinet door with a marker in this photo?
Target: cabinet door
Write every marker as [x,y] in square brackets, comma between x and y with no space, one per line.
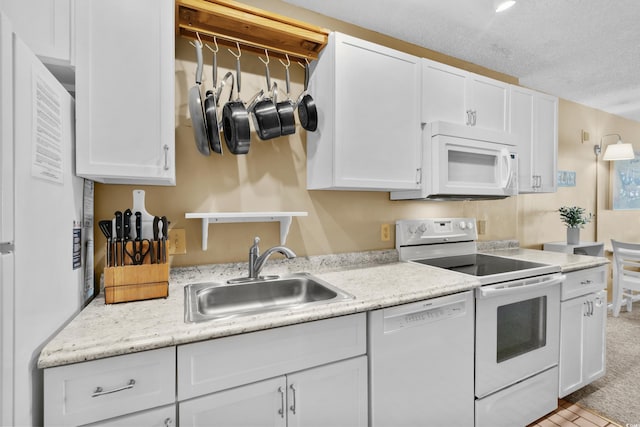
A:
[368,136]
[545,143]
[125,91]
[261,404]
[594,338]
[330,395]
[377,116]
[572,325]
[45,25]
[521,127]
[488,99]
[443,93]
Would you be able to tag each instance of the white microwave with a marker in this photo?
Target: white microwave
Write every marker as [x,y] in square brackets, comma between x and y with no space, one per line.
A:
[464,163]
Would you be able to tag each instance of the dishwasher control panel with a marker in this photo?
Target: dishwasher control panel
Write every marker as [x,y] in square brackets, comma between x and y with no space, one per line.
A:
[420,313]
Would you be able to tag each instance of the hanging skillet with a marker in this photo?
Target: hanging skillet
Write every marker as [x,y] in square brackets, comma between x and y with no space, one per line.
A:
[264,112]
[307,111]
[286,108]
[211,106]
[235,118]
[196,108]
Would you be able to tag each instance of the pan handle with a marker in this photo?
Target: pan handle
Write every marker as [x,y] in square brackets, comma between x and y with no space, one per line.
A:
[226,77]
[198,46]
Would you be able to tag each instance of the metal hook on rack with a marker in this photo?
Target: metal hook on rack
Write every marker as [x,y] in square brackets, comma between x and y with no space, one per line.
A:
[215,42]
[266,52]
[199,40]
[239,51]
[288,64]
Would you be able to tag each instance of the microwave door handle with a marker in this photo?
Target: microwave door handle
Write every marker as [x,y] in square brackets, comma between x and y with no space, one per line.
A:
[505,170]
[516,287]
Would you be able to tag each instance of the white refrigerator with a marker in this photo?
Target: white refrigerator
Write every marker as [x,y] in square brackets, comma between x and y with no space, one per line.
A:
[41,249]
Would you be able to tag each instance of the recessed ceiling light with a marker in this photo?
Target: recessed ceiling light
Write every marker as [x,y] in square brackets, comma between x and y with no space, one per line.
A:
[504,5]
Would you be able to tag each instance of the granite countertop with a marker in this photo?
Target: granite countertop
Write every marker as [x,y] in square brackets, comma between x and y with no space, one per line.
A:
[375,279]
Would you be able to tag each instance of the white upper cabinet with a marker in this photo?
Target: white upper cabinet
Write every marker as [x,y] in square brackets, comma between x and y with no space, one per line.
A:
[534,124]
[368,101]
[457,96]
[125,117]
[45,25]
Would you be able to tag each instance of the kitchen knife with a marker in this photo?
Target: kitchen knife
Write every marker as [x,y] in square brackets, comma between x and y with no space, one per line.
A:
[156,233]
[119,235]
[165,228]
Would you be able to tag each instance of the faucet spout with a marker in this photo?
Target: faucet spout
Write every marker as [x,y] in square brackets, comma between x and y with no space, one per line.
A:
[257,261]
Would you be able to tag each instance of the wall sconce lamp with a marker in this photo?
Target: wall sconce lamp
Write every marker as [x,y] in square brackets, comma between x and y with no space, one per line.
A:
[617,151]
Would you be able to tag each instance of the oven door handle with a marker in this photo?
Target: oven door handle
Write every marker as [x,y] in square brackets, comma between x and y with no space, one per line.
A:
[518,286]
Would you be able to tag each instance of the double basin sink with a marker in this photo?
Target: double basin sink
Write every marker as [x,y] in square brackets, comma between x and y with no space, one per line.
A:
[208,301]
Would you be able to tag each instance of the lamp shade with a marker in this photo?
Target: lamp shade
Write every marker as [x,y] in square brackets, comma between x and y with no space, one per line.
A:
[619,151]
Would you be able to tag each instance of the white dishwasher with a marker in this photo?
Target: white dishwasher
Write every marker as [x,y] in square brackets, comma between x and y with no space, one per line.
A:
[421,363]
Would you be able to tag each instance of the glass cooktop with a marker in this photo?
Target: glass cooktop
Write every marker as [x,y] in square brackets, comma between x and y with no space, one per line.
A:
[480,264]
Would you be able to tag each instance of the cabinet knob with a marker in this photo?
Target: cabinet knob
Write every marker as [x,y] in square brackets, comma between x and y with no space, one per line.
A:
[168,422]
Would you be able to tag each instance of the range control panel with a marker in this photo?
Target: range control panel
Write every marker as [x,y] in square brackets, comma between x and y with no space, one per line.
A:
[410,232]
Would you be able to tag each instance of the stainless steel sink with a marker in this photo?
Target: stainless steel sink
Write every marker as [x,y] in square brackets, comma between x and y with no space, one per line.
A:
[206,301]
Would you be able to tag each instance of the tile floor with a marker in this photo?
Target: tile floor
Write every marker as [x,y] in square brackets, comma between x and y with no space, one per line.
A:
[571,415]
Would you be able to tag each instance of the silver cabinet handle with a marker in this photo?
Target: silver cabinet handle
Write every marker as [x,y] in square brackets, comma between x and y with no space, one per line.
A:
[101,392]
[474,116]
[585,312]
[468,117]
[586,282]
[166,157]
[293,403]
[168,422]
[281,410]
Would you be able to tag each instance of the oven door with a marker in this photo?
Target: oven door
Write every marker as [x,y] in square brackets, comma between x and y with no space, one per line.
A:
[517,331]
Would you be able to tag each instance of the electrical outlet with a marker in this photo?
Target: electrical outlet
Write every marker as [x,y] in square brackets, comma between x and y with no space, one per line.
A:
[177,242]
[482,227]
[585,136]
[385,232]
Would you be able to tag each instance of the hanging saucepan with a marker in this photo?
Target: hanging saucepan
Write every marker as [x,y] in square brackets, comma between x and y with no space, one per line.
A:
[286,108]
[307,112]
[211,106]
[196,108]
[264,112]
[235,118]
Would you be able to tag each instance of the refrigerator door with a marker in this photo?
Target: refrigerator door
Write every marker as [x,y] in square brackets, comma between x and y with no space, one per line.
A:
[6,224]
[6,132]
[48,203]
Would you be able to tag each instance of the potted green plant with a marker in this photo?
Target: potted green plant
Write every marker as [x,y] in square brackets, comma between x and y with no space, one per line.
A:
[574,218]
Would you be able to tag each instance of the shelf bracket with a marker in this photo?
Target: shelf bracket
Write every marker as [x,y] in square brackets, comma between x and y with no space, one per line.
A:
[284,218]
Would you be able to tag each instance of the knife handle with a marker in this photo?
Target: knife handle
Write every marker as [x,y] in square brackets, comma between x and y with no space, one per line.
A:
[138,225]
[127,224]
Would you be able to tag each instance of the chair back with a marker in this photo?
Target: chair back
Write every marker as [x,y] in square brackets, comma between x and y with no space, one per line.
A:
[626,264]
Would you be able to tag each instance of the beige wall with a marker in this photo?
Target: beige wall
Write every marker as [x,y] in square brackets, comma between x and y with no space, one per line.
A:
[272,177]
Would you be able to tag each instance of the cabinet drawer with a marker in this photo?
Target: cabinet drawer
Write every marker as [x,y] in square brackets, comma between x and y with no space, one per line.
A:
[585,281]
[164,416]
[223,363]
[90,391]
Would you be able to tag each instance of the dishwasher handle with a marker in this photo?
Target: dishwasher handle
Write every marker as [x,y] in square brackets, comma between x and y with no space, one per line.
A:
[519,286]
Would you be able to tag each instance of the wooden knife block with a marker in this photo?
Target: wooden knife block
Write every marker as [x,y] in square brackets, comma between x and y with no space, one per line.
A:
[137,282]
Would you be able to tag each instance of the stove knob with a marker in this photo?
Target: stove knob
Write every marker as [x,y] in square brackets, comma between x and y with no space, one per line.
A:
[422,228]
[470,225]
[462,225]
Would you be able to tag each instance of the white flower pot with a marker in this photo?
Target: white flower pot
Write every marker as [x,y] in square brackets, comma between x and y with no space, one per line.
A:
[573,236]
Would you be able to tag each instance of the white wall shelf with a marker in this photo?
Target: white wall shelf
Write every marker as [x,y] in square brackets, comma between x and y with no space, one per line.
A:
[284,218]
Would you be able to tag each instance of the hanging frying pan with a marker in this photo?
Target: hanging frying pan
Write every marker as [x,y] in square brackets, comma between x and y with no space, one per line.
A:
[286,108]
[264,112]
[235,118]
[196,108]
[307,111]
[211,106]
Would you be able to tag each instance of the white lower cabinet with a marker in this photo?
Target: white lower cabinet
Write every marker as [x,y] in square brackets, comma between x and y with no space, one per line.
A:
[582,332]
[329,395]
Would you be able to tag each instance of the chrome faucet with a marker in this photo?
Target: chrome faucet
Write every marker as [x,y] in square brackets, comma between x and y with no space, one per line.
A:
[257,261]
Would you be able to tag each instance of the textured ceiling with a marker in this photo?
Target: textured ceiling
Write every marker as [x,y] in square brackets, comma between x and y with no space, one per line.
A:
[587,51]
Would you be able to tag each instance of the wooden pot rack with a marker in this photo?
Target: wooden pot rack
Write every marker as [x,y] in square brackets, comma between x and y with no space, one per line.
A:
[230,22]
